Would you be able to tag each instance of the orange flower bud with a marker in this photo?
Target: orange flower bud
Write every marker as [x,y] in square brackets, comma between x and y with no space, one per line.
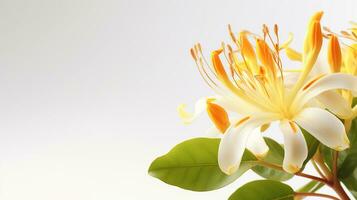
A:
[334,54]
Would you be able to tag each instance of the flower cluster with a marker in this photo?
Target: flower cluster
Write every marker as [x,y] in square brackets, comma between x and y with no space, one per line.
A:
[313,105]
[252,81]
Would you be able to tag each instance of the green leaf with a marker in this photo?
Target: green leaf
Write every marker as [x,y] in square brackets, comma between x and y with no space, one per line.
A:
[275,156]
[347,171]
[193,165]
[351,183]
[312,145]
[263,190]
[350,161]
[327,155]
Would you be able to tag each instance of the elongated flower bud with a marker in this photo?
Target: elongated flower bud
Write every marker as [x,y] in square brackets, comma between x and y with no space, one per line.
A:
[334,54]
[265,56]
[313,39]
[312,47]
[248,53]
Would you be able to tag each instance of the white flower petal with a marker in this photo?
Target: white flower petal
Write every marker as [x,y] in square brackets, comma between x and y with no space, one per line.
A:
[335,103]
[256,144]
[321,66]
[228,102]
[294,145]
[326,83]
[188,117]
[324,126]
[290,78]
[237,105]
[234,141]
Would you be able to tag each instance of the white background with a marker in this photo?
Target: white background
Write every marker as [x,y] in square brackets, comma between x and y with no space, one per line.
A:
[89,89]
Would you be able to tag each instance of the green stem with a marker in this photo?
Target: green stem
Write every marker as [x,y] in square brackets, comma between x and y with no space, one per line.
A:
[318,169]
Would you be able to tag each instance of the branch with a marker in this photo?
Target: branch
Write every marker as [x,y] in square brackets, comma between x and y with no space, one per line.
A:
[313,177]
[315,195]
[277,167]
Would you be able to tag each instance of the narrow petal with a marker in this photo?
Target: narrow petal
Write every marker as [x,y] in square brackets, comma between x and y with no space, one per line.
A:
[237,105]
[324,126]
[257,145]
[294,145]
[328,99]
[326,83]
[234,141]
[188,117]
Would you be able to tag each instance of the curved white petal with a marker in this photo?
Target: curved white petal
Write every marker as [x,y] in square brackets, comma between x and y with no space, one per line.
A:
[231,149]
[326,83]
[294,145]
[335,103]
[256,144]
[188,117]
[228,102]
[324,126]
[234,141]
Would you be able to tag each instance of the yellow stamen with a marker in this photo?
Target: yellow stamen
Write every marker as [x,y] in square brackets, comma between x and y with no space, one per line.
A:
[287,42]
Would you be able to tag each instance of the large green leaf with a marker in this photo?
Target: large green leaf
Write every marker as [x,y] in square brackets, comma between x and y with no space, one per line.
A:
[348,169]
[275,156]
[193,165]
[263,190]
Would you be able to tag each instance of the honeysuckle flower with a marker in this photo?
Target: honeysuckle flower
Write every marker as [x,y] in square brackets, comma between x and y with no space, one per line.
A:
[253,84]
